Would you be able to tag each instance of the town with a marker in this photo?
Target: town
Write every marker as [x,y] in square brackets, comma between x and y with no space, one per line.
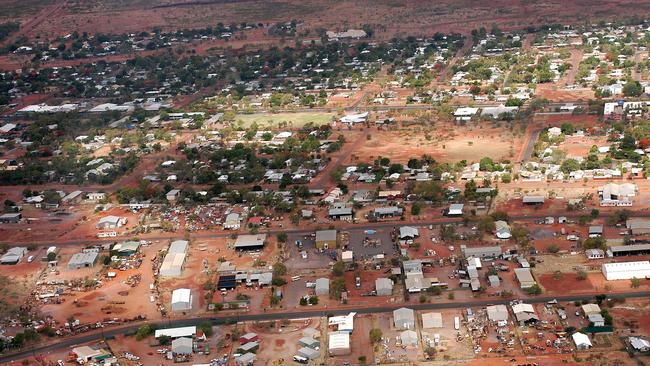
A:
[325,197]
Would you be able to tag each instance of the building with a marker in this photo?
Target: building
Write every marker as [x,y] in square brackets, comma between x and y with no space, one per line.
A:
[249,337]
[232,222]
[355,118]
[95,196]
[322,286]
[594,254]
[408,233]
[172,265]
[533,200]
[639,344]
[596,320]
[127,248]
[182,346]
[181,299]
[340,213]
[326,239]
[384,286]
[13,255]
[308,353]
[595,231]
[613,194]
[246,359]
[409,338]
[525,277]
[638,226]
[176,332]
[342,323]
[85,259]
[339,343]
[172,195]
[465,113]
[626,250]
[497,313]
[499,111]
[455,209]
[11,218]
[85,354]
[250,242]
[581,341]
[73,197]
[502,229]
[494,281]
[481,252]
[389,211]
[524,313]
[110,222]
[626,270]
[309,342]
[404,318]
[431,320]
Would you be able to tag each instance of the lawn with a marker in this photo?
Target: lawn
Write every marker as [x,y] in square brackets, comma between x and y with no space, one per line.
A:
[283,120]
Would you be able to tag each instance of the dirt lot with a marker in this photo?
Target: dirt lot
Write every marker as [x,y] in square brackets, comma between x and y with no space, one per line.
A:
[445,143]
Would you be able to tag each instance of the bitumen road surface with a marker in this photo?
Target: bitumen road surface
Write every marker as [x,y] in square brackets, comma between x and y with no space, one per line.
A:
[229,319]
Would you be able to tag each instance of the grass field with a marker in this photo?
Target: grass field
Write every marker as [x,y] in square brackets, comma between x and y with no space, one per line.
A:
[283,120]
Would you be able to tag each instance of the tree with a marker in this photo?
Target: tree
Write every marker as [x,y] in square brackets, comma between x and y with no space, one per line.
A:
[534,290]
[595,243]
[553,248]
[635,282]
[582,275]
[375,335]
[144,332]
[416,208]
[632,89]
[338,268]
[429,191]
[206,328]
[282,237]
[568,128]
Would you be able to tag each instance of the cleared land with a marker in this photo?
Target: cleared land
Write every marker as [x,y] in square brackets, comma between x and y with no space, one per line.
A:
[292,120]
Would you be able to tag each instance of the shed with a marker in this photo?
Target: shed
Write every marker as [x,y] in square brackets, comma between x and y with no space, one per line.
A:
[250,242]
[309,342]
[83,260]
[172,265]
[10,218]
[182,346]
[322,286]
[533,200]
[404,318]
[13,255]
[595,230]
[455,209]
[247,359]
[249,347]
[384,286]
[249,337]
[408,232]
[431,320]
[581,340]
[494,281]
[497,313]
[309,353]
[347,256]
[409,338]
[589,309]
[181,299]
[525,277]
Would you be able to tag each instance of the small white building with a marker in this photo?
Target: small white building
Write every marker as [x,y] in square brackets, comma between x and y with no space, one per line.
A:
[181,299]
[581,340]
[182,346]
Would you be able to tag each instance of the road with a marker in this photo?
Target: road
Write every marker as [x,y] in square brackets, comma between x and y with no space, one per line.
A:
[225,319]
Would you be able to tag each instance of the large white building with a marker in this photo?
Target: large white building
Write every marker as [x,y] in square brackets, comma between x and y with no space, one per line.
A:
[172,265]
[181,299]
[626,270]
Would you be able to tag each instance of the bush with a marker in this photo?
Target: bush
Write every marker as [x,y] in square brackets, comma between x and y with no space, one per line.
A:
[144,332]
[375,335]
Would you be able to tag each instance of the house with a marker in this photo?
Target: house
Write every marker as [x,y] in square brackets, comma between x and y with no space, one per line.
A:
[404,318]
[390,211]
[455,209]
[497,313]
[11,218]
[494,281]
[465,113]
[596,320]
[95,196]
[638,226]
[626,270]
[342,323]
[384,286]
[326,239]
[182,346]
[322,286]
[340,213]
[232,222]
[181,299]
[481,252]
[85,259]
[594,254]
[533,200]
[525,278]
[172,264]
[339,343]
[499,111]
[581,341]
[250,242]
[72,197]
[172,195]
[85,354]
[13,255]
[111,222]
[347,256]
[639,344]
[524,313]
[502,229]
[431,320]
[554,132]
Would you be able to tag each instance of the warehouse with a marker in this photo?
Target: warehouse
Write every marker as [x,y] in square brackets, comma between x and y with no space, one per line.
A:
[181,299]
[404,318]
[638,226]
[626,270]
[339,343]
[326,239]
[172,265]
[626,250]
[525,277]
[250,242]
[13,255]
[176,332]
[84,259]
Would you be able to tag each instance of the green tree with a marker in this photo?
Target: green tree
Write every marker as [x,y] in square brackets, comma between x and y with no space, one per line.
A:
[375,335]
[338,268]
[632,89]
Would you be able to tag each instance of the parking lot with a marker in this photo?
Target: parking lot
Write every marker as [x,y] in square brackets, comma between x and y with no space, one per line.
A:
[367,243]
[314,260]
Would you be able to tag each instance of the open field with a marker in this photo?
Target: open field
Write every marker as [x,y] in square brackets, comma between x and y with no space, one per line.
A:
[293,120]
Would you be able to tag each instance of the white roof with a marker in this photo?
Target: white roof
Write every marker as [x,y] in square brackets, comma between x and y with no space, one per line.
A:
[181,295]
[339,340]
[343,323]
[431,320]
[176,332]
[523,308]
[626,266]
[497,312]
[581,339]
[465,111]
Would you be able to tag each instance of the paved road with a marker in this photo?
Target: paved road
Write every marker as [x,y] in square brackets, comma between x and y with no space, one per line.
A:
[218,320]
